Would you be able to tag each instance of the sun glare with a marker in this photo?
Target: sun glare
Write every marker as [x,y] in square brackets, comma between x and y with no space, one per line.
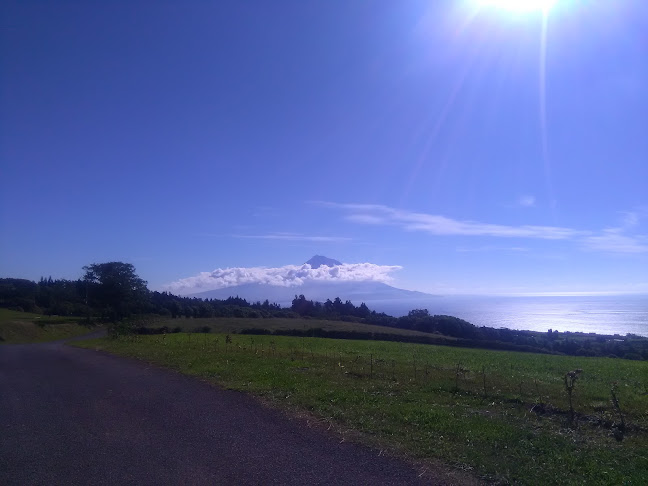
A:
[519,5]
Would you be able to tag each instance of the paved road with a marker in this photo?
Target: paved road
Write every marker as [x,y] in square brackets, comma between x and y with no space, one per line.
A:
[76,416]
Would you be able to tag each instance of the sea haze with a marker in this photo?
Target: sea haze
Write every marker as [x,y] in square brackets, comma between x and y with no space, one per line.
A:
[618,314]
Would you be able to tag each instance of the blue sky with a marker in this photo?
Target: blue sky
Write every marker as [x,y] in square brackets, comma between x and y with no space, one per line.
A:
[438,138]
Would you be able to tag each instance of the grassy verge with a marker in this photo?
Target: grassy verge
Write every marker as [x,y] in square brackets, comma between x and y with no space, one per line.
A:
[502,415]
[23,327]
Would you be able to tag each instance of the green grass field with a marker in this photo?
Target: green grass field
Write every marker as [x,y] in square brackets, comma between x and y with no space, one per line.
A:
[23,327]
[501,415]
[236,325]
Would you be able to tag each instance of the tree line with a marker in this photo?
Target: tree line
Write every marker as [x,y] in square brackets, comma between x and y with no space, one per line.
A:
[112,292]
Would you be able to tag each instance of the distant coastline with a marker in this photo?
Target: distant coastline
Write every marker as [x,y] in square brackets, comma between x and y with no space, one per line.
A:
[600,314]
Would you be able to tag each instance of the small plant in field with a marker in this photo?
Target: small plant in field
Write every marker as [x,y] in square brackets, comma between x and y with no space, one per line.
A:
[354,362]
[378,363]
[484,379]
[460,372]
[618,429]
[570,382]
[228,341]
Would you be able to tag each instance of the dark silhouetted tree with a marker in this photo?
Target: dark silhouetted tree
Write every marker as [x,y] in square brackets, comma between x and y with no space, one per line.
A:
[115,289]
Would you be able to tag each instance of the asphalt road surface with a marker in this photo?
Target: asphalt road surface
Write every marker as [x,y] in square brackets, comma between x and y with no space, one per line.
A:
[77,416]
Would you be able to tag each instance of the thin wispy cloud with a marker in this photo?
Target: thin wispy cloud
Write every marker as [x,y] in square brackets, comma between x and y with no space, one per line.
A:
[621,239]
[479,249]
[296,237]
[266,212]
[286,276]
[527,201]
[630,219]
[441,225]
[612,240]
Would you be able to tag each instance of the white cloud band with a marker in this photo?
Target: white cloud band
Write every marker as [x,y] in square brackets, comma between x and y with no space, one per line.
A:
[286,276]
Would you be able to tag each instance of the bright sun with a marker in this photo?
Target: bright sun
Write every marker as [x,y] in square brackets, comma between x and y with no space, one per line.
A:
[519,5]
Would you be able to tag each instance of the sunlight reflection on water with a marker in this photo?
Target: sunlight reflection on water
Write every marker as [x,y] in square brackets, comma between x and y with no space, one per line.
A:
[598,314]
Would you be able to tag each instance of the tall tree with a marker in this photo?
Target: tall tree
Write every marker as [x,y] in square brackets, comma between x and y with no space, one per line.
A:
[115,289]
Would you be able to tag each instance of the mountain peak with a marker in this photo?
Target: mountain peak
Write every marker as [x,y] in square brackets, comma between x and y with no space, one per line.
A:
[319,260]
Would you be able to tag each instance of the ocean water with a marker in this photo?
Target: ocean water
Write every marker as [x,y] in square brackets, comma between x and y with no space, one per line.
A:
[619,314]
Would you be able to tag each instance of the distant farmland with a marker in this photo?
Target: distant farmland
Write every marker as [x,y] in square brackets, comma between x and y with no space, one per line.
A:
[236,325]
